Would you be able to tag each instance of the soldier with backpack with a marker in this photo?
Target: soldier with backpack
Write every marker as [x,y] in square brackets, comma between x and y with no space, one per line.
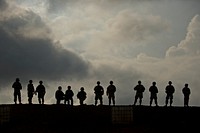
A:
[81,96]
[69,96]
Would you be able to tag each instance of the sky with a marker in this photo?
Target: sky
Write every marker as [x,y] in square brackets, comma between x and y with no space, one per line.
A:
[79,42]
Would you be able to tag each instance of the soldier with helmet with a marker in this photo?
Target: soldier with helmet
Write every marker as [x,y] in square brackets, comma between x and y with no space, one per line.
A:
[186,92]
[153,93]
[111,89]
[81,95]
[17,90]
[98,91]
[139,92]
[59,95]
[30,91]
[41,92]
[69,96]
[169,90]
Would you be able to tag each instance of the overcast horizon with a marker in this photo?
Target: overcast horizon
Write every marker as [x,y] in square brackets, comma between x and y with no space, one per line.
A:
[80,42]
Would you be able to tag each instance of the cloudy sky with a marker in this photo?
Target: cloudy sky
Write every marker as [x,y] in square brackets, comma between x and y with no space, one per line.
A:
[78,42]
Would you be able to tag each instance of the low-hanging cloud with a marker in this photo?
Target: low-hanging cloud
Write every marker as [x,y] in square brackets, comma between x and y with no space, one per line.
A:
[190,45]
[28,51]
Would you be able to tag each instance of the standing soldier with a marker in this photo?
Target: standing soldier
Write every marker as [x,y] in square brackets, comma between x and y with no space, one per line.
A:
[17,90]
[169,90]
[111,89]
[30,91]
[153,96]
[59,95]
[98,91]
[81,95]
[139,92]
[186,93]
[69,96]
[41,92]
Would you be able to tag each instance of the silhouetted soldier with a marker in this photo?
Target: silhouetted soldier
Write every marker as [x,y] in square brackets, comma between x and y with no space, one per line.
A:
[69,96]
[139,92]
[153,93]
[98,91]
[59,95]
[81,95]
[186,93]
[41,92]
[17,90]
[170,91]
[30,91]
[111,89]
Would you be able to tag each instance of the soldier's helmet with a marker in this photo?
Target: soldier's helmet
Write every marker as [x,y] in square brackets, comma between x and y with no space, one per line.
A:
[98,82]
[30,81]
[170,82]
[41,82]
[154,83]
[139,82]
[69,87]
[17,79]
[82,89]
[59,87]
[186,85]
[111,82]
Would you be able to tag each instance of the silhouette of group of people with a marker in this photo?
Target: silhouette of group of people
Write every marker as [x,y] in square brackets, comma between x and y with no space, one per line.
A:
[82,95]
[40,91]
[169,90]
[68,96]
[99,92]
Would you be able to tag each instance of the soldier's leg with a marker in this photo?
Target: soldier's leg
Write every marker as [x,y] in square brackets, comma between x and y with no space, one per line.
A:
[171,100]
[184,101]
[156,102]
[187,101]
[15,98]
[113,99]
[166,101]
[19,98]
[96,98]
[39,100]
[42,100]
[135,101]
[151,101]
[64,101]
[140,101]
[30,100]
[101,100]
[109,100]
[72,102]
[81,102]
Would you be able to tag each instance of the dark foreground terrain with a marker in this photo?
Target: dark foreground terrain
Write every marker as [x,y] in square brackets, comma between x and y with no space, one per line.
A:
[98,119]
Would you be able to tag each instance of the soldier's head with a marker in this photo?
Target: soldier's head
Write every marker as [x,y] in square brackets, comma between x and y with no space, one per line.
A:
[170,82]
[186,85]
[111,82]
[68,87]
[30,81]
[154,83]
[139,82]
[59,88]
[17,79]
[40,82]
[98,82]
[82,89]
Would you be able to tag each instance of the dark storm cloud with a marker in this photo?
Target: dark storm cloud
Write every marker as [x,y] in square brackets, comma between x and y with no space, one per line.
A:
[3,5]
[28,51]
